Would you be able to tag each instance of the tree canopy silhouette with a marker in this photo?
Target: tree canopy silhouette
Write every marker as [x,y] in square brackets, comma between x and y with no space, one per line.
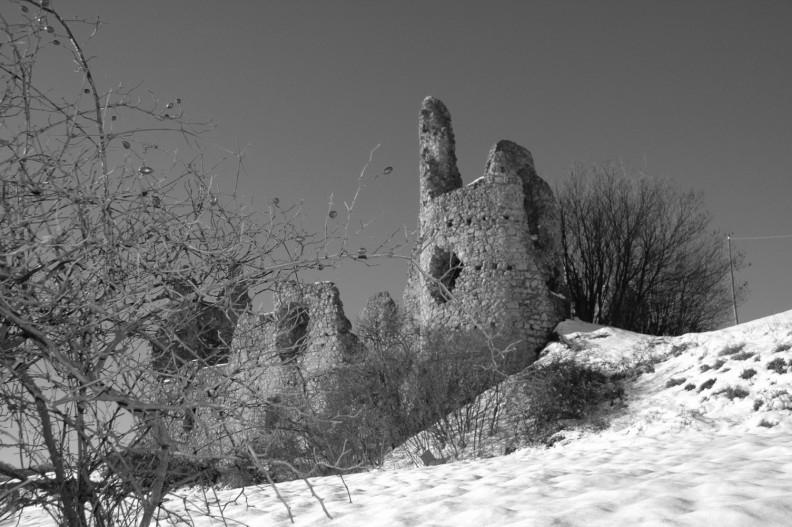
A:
[640,254]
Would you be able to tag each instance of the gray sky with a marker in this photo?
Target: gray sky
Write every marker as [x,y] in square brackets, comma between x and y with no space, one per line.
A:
[698,92]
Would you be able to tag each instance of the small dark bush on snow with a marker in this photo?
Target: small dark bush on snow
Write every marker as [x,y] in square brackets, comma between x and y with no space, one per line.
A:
[731,350]
[674,382]
[706,385]
[679,349]
[733,393]
[565,390]
[777,365]
[782,347]
[747,374]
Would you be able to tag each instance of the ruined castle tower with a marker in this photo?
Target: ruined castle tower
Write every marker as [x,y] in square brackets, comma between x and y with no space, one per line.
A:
[487,253]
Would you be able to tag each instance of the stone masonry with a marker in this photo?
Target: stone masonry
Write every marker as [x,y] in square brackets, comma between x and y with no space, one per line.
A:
[487,256]
[279,362]
[299,343]
[486,262]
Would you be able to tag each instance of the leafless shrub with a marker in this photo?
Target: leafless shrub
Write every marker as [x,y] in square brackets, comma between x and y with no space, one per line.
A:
[640,254]
[780,348]
[462,432]
[731,350]
[675,382]
[563,390]
[425,387]
[123,277]
[777,365]
[733,392]
[679,349]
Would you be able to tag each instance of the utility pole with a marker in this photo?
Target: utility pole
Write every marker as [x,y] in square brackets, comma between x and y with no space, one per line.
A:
[731,269]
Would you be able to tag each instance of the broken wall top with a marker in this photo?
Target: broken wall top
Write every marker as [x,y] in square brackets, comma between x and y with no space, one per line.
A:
[507,164]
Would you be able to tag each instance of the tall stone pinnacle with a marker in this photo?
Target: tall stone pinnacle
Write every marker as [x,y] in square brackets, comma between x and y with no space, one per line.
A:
[438,164]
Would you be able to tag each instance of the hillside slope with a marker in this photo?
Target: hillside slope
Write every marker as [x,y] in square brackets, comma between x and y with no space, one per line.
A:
[738,378]
[702,436]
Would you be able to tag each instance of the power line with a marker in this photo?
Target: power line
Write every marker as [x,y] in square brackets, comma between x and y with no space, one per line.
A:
[774,237]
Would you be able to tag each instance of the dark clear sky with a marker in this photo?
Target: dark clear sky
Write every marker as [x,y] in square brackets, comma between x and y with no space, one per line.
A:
[697,92]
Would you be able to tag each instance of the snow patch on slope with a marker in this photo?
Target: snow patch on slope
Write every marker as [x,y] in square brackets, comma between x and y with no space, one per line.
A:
[718,453]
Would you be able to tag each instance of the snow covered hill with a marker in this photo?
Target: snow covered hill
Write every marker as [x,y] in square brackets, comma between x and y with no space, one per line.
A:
[702,437]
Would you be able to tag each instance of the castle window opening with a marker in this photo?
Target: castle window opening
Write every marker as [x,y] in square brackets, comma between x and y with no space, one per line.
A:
[444,268]
[188,424]
[293,322]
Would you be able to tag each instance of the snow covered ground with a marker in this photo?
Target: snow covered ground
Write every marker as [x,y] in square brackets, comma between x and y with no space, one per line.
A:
[703,439]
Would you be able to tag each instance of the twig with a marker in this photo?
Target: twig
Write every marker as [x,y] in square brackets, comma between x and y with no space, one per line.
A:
[349,495]
[269,479]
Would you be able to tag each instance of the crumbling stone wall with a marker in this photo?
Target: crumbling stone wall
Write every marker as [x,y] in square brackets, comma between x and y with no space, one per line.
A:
[487,253]
[486,263]
[297,346]
[327,339]
[281,370]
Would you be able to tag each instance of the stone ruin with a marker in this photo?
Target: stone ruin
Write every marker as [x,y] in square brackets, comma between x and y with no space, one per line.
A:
[280,365]
[487,260]
[294,348]
[487,257]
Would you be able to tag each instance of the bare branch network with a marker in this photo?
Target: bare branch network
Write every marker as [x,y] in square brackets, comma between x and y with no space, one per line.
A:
[124,271]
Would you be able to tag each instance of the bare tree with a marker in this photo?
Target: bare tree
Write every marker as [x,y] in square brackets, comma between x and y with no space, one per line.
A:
[640,254]
[122,280]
